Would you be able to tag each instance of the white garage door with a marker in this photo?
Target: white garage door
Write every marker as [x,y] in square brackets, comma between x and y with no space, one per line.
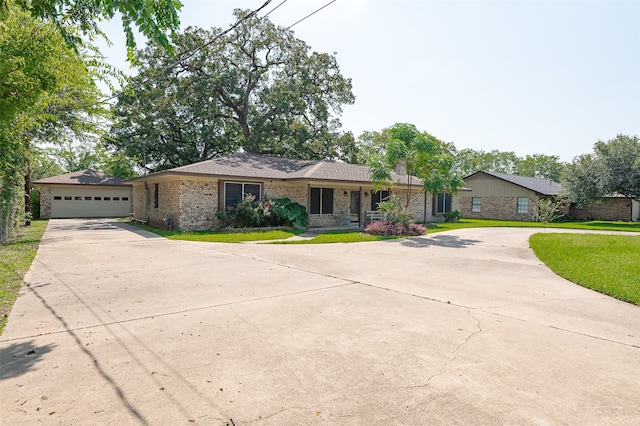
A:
[90,202]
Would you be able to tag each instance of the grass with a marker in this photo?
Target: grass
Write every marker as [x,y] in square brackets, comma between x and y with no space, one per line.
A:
[482,223]
[221,236]
[339,237]
[16,256]
[609,264]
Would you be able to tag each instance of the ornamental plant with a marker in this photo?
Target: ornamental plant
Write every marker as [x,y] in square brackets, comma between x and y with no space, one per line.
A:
[252,213]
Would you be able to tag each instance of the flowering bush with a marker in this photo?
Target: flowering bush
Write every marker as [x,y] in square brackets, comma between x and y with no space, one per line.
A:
[550,210]
[387,228]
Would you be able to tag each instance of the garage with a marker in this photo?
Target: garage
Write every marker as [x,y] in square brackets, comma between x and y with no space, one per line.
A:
[86,193]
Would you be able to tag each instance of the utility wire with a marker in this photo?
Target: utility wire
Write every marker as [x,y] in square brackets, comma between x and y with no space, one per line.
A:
[199,48]
[311,14]
[281,3]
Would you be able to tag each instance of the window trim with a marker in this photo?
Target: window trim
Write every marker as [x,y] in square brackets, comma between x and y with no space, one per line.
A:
[444,210]
[156,193]
[321,201]
[243,183]
[476,204]
[525,205]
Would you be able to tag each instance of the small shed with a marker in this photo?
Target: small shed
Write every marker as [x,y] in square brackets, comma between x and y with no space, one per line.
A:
[86,193]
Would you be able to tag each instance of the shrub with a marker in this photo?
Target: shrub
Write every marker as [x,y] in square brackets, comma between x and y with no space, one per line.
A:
[249,213]
[394,211]
[453,216]
[387,228]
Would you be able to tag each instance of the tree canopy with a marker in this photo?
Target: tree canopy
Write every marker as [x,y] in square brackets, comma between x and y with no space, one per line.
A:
[155,20]
[469,161]
[612,168]
[418,154]
[258,88]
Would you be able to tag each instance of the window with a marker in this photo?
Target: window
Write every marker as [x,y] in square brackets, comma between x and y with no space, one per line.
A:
[475,204]
[377,197]
[321,201]
[236,191]
[97,198]
[442,203]
[155,195]
[57,197]
[523,205]
[87,198]
[116,198]
[77,198]
[107,198]
[125,198]
[67,197]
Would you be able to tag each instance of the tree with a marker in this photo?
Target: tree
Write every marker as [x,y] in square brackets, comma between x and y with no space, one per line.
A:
[469,161]
[541,166]
[418,154]
[152,19]
[370,144]
[257,88]
[613,168]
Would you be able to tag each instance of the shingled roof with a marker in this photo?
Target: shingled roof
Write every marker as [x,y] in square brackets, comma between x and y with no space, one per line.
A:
[256,166]
[83,177]
[541,186]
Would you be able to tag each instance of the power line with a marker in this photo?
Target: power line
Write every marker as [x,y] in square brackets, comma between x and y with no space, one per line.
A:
[199,48]
[281,3]
[311,14]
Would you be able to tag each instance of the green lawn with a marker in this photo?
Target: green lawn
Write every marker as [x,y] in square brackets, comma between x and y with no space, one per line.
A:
[221,236]
[338,237]
[16,256]
[593,225]
[609,264]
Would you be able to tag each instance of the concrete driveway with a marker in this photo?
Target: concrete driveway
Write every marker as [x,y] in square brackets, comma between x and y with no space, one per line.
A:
[118,326]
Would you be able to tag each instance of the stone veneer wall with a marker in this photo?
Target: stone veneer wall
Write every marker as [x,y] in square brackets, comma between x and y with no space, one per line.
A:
[503,208]
[137,195]
[198,206]
[45,202]
[168,204]
[608,209]
[296,193]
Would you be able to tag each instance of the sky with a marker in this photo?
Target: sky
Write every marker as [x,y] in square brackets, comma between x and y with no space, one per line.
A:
[547,77]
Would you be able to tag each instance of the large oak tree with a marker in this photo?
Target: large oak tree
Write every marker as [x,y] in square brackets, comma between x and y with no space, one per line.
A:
[258,88]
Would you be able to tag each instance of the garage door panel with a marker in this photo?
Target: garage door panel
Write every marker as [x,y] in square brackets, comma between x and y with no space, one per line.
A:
[90,202]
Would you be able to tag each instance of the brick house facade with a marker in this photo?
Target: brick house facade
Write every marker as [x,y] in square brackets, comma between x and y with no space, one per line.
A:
[503,196]
[188,197]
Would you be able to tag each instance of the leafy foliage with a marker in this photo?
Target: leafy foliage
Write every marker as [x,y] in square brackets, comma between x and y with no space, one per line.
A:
[419,154]
[152,19]
[614,167]
[252,213]
[469,161]
[550,210]
[258,88]
[452,216]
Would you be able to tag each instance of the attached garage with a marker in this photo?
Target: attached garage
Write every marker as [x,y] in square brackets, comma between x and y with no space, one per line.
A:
[83,194]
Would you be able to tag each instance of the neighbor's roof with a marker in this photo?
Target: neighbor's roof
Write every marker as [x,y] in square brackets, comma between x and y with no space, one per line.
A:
[541,186]
[258,166]
[83,177]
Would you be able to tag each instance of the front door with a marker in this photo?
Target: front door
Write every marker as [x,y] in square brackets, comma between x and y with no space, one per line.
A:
[354,206]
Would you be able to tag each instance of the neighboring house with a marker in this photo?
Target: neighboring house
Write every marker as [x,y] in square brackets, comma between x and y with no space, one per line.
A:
[83,194]
[504,196]
[614,208]
[333,193]
[511,197]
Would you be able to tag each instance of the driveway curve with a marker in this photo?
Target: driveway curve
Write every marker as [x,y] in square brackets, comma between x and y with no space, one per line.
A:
[118,326]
